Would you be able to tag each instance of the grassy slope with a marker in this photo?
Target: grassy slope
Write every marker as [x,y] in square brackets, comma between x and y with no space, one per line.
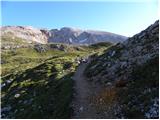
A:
[17,60]
[42,79]
[45,90]
[20,59]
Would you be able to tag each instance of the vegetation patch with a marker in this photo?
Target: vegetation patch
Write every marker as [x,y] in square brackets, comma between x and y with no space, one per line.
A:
[38,84]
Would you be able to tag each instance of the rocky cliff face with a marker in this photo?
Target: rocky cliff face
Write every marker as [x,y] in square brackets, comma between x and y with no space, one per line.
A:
[76,36]
[64,35]
[132,68]
[28,33]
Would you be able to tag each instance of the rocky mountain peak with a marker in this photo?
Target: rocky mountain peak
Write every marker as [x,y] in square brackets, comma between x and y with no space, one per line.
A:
[66,29]
[28,33]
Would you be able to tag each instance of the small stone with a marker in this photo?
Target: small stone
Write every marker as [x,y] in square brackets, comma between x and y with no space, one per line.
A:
[8,81]
[39,107]
[3,85]
[17,95]
[100,99]
[109,84]
[15,111]
[81,108]
[113,53]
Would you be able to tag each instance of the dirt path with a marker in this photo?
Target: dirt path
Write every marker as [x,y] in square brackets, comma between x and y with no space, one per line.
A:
[83,105]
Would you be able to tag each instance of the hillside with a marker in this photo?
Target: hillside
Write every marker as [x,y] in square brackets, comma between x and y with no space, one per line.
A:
[67,35]
[128,75]
[37,79]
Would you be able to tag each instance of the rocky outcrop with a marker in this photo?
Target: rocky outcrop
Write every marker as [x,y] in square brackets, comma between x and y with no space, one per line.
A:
[27,33]
[134,51]
[130,65]
[64,35]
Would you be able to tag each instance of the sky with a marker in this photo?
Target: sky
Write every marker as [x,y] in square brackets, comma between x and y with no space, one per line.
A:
[116,16]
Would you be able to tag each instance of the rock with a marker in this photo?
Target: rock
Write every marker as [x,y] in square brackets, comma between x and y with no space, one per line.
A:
[78,62]
[156,24]
[121,69]
[104,64]
[8,81]
[20,101]
[138,49]
[3,85]
[141,35]
[120,45]
[27,33]
[109,64]
[155,31]
[100,99]
[40,48]
[17,95]
[7,47]
[93,67]
[109,84]
[113,53]
[6,109]
[81,109]
[154,109]
[15,111]
[75,36]
[123,64]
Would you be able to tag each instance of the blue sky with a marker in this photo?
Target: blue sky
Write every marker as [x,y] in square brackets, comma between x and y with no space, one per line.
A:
[121,17]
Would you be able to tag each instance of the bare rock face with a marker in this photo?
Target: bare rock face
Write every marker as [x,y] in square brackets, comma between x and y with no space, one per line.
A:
[27,33]
[64,35]
[76,36]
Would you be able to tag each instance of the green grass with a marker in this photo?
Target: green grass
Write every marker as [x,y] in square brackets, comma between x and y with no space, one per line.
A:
[49,88]
[100,45]
[10,40]
[43,80]
[24,58]
[17,60]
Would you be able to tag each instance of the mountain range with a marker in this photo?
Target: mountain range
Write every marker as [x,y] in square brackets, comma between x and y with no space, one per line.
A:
[63,35]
